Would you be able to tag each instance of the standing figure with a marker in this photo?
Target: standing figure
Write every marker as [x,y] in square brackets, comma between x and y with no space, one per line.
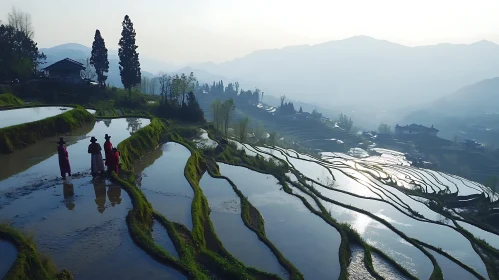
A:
[97,164]
[63,158]
[113,161]
[108,151]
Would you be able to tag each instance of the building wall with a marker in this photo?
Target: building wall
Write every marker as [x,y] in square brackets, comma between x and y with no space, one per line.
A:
[66,76]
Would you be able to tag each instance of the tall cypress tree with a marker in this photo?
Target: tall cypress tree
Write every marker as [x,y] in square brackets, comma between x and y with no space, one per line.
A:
[99,58]
[129,58]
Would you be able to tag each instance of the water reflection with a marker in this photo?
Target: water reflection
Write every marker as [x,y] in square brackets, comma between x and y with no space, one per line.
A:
[114,195]
[100,194]
[23,115]
[107,122]
[68,192]
[134,124]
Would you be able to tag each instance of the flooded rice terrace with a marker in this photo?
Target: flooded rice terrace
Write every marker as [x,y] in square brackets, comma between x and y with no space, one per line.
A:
[80,223]
[19,116]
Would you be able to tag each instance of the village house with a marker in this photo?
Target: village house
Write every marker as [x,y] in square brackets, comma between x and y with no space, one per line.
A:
[66,70]
[416,129]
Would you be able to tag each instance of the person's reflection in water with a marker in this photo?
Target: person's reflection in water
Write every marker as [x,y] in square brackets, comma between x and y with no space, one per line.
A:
[68,191]
[100,194]
[114,195]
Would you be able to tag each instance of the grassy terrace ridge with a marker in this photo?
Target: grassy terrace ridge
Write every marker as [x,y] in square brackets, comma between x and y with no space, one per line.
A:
[8,100]
[29,263]
[345,229]
[201,252]
[17,137]
[254,221]
[236,157]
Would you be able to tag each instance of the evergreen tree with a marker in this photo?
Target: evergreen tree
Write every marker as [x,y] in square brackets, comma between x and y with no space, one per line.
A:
[301,110]
[194,111]
[129,58]
[19,55]
[99,58]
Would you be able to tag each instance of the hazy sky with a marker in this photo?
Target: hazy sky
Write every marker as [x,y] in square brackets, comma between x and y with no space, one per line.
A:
[185,31]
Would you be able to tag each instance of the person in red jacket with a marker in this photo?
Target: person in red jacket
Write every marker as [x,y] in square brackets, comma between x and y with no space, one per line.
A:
[108,150]
[64,165]
[113,161]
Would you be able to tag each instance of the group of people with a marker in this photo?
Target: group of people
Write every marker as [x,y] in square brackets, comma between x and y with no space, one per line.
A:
[112,159]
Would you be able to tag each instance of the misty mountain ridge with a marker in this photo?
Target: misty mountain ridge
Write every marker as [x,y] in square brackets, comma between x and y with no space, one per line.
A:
[364,71]
[470,101]
[372,80]
[469,113]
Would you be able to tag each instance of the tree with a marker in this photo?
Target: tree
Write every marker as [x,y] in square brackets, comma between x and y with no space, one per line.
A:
[153,85]
[165,84]
[19,55]
[216,108]
[193,110]
[301,110]
[89,72]
[21,22]
[144,84]
[384,129]
[186,84]
[283,98]
[315,114]
[345,123]
[227,108]
[243,129]
[236,85]
[273,138]
[129,58]
[99,58]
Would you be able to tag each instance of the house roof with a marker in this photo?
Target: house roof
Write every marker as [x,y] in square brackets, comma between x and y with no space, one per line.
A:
[416,127]
[66,64]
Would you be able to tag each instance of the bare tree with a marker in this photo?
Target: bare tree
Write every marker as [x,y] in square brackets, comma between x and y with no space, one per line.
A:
[153,85]
[21,21]
[89,72]
[165,83]
[283,98]
[237,87]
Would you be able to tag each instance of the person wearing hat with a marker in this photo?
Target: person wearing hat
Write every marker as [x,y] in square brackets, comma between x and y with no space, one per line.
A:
[108,151]
[113,161]
[97,164]
[62,152]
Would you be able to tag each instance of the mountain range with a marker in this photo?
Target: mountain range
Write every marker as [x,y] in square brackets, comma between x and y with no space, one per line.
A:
[471,112]
[362,71]
[369,79]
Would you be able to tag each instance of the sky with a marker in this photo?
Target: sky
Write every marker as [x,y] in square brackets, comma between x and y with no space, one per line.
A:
[192,31]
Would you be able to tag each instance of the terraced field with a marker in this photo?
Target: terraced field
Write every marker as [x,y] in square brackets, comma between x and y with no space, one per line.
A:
[236,211]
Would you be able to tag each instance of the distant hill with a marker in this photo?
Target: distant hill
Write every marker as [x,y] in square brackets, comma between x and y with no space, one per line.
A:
[471,112]
[80,52]
[362,72]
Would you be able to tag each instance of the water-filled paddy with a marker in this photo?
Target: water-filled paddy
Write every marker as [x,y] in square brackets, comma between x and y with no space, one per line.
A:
[7,257]
[239,240]
[304,238]
[357,269]
[450,269]
[165,186]
[161,237]
[81,225]
[77,146]
[18,116]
